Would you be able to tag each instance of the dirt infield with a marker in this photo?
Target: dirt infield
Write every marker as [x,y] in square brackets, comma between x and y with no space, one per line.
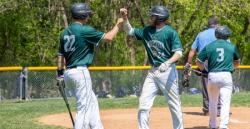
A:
[159,119]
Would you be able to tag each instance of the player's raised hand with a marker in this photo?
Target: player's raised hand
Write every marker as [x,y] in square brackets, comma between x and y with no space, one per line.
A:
[187,65]
[124,13]
[119,22]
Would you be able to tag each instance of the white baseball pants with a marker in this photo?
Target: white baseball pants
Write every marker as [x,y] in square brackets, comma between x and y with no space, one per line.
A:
[87,105]
[167,82]
[219,84]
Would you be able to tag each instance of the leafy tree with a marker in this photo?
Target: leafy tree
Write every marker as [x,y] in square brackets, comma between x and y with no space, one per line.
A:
[29,30]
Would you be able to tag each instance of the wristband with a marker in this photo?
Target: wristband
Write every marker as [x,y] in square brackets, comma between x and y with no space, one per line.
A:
[60,72]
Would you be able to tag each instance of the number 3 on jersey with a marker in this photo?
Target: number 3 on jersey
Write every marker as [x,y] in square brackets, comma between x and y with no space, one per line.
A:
[220,51]
[70,41]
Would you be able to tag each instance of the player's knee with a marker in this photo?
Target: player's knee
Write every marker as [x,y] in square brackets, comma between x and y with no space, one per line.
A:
[143,113]
[144,106]
[143,110]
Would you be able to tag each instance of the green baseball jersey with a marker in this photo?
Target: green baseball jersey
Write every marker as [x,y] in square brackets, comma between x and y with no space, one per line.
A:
[77,44]
[160,44]
[220,55]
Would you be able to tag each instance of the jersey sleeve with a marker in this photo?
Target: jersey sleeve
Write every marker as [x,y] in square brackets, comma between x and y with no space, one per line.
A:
[61,49]
[175,42]
[236,54]
[93,36]
[138,33]
[202,56]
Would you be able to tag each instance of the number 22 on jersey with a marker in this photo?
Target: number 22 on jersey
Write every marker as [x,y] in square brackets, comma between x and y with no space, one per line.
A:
[69,44]
[220,51]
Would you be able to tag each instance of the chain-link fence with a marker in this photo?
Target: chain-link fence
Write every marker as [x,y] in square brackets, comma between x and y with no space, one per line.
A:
[42,84]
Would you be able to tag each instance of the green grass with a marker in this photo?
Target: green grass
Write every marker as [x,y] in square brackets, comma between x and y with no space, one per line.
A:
[23,114]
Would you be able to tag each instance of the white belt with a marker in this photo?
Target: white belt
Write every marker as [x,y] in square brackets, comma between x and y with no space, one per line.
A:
[79,67]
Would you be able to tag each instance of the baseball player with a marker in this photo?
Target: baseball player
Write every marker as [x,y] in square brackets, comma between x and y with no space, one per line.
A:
[163,48]
[222,57]
[77,44]
[202,39]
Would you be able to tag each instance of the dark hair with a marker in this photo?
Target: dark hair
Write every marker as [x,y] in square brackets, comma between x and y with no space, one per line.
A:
[212,21]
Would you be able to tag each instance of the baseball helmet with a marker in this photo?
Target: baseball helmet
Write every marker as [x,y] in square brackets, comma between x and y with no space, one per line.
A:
[80,11]
[160,12]
[222,32]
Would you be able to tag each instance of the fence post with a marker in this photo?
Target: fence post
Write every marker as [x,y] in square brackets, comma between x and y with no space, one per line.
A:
[23,83]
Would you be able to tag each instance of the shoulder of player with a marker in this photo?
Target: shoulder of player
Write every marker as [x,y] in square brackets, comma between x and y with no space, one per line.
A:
[64,32]
[227,43]
[232,45]
[211,45]
[166,27]
[146,28]
[220,43]
[87,28]
[169,30]
[206,31]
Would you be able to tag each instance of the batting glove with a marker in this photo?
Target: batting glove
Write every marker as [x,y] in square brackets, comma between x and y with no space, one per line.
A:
[164,66]
[187,66]
[60,73]
[60,77]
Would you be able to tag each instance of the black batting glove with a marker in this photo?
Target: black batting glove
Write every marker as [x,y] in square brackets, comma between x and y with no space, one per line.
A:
[60,73]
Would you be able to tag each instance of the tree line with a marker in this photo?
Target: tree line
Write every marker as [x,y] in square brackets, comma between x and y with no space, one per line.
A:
[29,30]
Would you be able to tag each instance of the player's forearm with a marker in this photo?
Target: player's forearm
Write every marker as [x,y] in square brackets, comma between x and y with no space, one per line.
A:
[60,65]
[177,55]
[60,62]
[109,36]
[191,55]
[200,65]
[127,27]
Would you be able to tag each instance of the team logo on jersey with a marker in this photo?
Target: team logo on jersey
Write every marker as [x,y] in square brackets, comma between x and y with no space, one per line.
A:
[157,48]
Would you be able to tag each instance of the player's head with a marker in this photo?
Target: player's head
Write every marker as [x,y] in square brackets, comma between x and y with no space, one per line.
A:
[159,14]
[222,32]
[212,22]
[80,11]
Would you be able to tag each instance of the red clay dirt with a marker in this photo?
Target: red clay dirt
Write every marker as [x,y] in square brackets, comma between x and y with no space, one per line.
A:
[159,118]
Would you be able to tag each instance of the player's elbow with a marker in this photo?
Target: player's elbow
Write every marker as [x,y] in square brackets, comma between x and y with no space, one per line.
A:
[179,53]
[108,38]
[200,65]
[191,53]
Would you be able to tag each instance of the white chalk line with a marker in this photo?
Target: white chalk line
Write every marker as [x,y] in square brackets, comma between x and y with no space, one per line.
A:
[238,121]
